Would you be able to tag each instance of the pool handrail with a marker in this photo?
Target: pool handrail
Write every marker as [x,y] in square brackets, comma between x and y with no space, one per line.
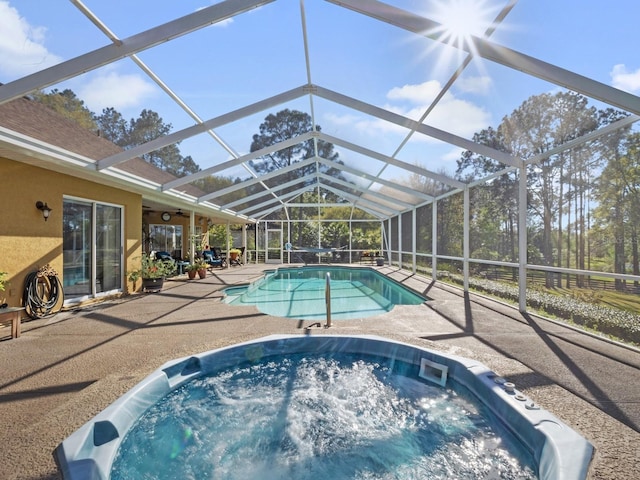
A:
[327,298]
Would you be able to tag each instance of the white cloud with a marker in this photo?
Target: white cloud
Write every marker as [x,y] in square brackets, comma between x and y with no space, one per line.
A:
[341,120]
[423,93]
[454,115]
[111,89]
[624,80]
[460,117]
[452,155]
[22,48]
[478,85]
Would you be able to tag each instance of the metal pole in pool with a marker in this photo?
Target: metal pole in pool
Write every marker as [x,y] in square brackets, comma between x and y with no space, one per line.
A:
[327,298]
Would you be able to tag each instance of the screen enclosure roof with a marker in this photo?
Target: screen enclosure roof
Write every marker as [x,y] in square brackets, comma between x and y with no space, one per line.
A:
[399,88]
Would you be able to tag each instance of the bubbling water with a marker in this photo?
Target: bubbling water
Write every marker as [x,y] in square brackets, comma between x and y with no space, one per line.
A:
[313,417]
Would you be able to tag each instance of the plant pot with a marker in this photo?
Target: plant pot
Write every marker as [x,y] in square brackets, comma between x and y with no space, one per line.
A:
[191,274]
[380,262]
[152,284]
[202,273]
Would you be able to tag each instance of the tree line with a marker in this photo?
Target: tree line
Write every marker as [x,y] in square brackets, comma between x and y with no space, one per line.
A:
[583,203]
[127,134]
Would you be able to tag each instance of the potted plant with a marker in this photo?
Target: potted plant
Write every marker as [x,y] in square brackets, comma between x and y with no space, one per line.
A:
[3,281]
[153,272]
[234,253]
[192,269]
[133,277]
[201,267]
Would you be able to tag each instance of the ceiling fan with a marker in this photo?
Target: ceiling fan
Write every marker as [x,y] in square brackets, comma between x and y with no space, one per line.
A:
[179,213]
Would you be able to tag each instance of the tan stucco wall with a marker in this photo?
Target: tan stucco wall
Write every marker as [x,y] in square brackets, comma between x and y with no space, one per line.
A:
[27,242]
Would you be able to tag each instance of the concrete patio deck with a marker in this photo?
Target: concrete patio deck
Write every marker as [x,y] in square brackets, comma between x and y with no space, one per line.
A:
[65,369]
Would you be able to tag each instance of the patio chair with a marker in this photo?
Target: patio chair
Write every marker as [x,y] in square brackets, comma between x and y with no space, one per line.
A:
[214,258]
[217,252]
[164,256]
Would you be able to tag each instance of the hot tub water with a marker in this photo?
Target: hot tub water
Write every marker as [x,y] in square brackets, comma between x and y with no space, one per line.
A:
[311,417]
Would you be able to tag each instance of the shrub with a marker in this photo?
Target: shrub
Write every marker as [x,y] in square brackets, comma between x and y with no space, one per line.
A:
[580,309]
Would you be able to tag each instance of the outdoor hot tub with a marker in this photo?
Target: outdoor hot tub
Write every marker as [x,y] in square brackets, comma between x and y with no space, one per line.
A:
[323,406]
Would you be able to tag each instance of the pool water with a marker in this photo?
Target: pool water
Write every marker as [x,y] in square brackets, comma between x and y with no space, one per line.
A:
[308,416]
[300,293]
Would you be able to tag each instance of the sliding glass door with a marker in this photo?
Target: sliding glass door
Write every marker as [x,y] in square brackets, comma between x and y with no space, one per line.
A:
[92,249]
[108,248]
[76,249]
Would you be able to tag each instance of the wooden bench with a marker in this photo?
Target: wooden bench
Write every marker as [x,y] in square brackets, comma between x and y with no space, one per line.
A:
[12,314]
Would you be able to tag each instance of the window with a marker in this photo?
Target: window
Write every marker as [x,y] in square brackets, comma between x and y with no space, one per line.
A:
[165,238]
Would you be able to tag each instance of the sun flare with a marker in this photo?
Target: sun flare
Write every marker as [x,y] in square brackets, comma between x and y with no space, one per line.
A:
[462,19]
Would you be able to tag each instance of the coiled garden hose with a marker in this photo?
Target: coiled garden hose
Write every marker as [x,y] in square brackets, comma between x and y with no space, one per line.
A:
[42,293]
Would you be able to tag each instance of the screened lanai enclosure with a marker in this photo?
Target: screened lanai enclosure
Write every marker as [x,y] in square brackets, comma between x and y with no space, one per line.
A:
[479,142]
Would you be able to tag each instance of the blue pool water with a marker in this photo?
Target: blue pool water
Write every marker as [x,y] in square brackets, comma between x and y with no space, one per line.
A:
[323,407]
[300,293]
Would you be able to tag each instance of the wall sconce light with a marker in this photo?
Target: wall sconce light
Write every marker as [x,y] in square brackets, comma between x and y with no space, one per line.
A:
[44,208]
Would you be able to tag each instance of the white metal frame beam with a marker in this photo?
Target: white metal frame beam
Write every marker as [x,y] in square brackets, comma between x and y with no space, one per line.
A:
[502,55]
[128,46]
[281,200]
[258,195]
[254,108]
[465,63]
[237,161]
[389,184]
[283,98]
[151,74]
[371,207]
[322,161]
[197,129]
[452,182]
[247,183]
[387,201]
[576,142]
[410,124]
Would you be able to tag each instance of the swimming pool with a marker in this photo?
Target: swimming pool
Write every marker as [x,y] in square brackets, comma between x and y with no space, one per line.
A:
[300,293]
[327,387]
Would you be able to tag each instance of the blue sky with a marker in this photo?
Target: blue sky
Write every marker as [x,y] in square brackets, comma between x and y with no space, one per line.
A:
[260,53]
